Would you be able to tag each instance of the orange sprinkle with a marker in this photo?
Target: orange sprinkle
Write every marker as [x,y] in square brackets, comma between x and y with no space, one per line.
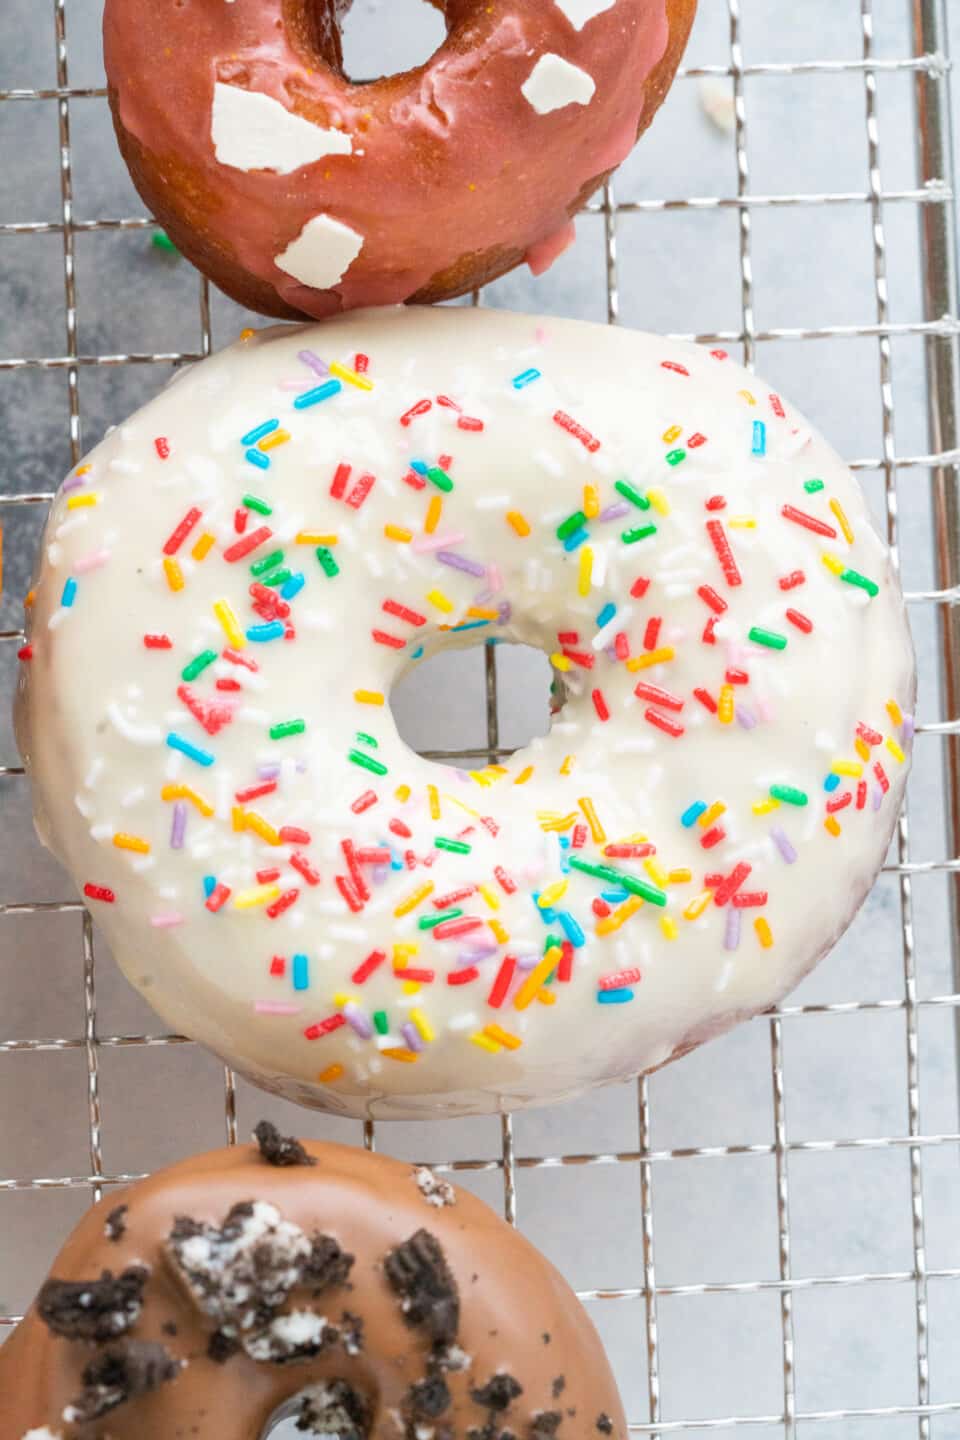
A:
[261,827]
[131,842]
[185,792]
[332,1072]
[434,511]
[651,657]
[398,532]
[518,522]
[399,1052]
[620,916]
[591,501]
[174,574]
[725,705]
[503,1037]
[764,933]
[203,546]
[832,824]
[538,975]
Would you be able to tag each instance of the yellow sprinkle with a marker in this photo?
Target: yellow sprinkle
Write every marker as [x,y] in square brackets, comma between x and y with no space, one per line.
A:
[658,500]
[185,792]
[410,987]
[833,564]
[585,573]
[497,770]
[715,811]
[397,532]
[651,657]
[746,395]
[656,871]
[552,893]
[400,1052]
[485,1043]
[764,933]
[862,748]
[171,568]
[82,502]
[764,807]
[669,927]
[742,522]
[238,818]
[559,662]
[270,442]
[402,793]
[415,898]
[434,511]
[672,434]
[559,822]
[500,933]
[725,705]
[842,521]
[680,876]
[591,501]
[82,470]
[482,777]
[597,832]
[479,612]
[423,1025]
[538,975]
[518,522]
[368,697]
[440,601]
[620,916]
[230,624]
[403,953]
[895,750]
[503,1037]
[203,546]
[832,824]
[852,768]
[314,537]
[546,997]
[258,895]
[332,1072]
[524,775]
[567,764]
[247,334]
[351,376]
[697,905]
[492,899]
[894,711]
[261,827]
[131,842]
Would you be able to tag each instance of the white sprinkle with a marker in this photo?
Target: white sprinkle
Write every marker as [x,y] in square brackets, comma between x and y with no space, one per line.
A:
[138,734]
[554,82]
[251,131]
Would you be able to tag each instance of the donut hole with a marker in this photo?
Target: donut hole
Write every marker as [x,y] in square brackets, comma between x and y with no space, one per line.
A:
[352,44]
[464,704]
[332,1408]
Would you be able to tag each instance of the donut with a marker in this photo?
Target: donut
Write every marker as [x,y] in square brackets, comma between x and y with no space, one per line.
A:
[234,581]
[300,192]
[360,1296]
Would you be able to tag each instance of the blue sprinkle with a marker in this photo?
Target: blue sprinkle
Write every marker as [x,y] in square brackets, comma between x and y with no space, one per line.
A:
[209,885]
[260,432]
[571,929]
[257,457]
[574,541]
[420,466]
[471,625]
[759,438]
[192,752]
[526,377]
[614,897]
[313,397]
[301,972]
[614,997]
[548,915]
[69,593]
[293,586]
[831,782]
[692,814]
[396,859]
[564,842]
[415,654]
[272,630]
[606,614]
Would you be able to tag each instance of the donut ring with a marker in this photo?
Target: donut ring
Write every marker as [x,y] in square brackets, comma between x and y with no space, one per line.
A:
[312,1278]
[299,192]
[358,927]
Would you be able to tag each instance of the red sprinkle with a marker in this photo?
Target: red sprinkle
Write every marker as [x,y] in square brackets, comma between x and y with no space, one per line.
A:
[448,404]
[721,545]
[776,405]
[243,547]
[574,428]
[639,587]
[399,828]
[652,633]
[162,447]
[26,652]
[600,908]
[669,727]
[600,704]
[706,700]
[360,491]
[278,966]
[696,440]
[348,893]
[710,597]
[218,897]
[713,836]
[366,967]
[861,794]
[716,502]
[254,792]
[339,482]
[619,979]
[443,902]
[403,612]
[293,835]
[498,991]
[708,636]
[719,355]
[736,677]
[565,967]
[302,865]
[210,714]
[672,365]
[579,837]
[267,877]
[415,481]
[463,977]
[809,522]
[731,883]
[158,642]
[621,646]
[361,363]
[422,977]
[568,637]
[468,422]
[236,658]
[283,902]
[872,737]
[374,855]
[840,802]
[654,693]
[228,684]
[325,1027]
[802,622]
[421,408]
[791,581]
[100,892]
[506,882]
[364,801]
[881,775]
[180,534]
[581,658]
[240,518]
[453,929]
[629,851]
[393,641]
[749,899]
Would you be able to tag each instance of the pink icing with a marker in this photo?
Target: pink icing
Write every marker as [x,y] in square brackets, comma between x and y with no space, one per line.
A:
[541,255]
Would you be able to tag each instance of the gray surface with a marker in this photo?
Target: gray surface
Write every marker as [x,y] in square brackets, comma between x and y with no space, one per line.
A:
[715,1216]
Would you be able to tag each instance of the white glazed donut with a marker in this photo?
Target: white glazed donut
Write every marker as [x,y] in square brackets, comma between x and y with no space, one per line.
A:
[357,927]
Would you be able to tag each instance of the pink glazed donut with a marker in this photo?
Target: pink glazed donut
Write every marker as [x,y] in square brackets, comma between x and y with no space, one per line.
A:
[300,192]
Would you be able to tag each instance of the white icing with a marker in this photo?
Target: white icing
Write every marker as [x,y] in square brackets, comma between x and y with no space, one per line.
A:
[554,82]
[251,131]
[206,975]
[322,253]
[581,12]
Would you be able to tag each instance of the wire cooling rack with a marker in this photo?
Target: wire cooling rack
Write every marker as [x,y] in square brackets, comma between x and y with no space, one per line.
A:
[927,1410]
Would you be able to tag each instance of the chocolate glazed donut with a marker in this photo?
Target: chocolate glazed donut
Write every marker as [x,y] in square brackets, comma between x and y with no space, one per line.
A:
[300,192]
[363,1297]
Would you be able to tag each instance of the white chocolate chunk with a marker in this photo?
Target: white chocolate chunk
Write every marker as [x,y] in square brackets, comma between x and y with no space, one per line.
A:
[322,253]
[554,82]
[251,131]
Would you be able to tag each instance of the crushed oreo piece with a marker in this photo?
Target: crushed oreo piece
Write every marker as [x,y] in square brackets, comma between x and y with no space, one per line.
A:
[417,1270]
[545,1337]
[297,1335]
[427,1399]
[545,1425]
[115,1225]
[169,1327]
[279,1149]
[120,1373]
[222,1348]
[327,1265]
[498,1394]
[96,1310]
[335,1409]
[450,1358]
[434,1191]
[558,1386]
[351,1332]
[604,1423]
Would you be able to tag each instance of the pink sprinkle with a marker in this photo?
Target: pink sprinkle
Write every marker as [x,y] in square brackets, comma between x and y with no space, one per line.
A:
[166,922]
[90,562]
[276,1007]
[424,544]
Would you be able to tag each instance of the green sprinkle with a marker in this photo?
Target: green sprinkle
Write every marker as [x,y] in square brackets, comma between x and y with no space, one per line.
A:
[629,492]
[630,537]
[287,727]
[276,577]
[619,877]
[380,1022]
[260,567]
[812,486]
[458,847]
[789,794]
[440,478]
[571,525]
[770,638]
[327,562]
[427,922]
[161,241]
[366,739]
[553,943]
[853,577]
[674,457]
[367,762]
[198,664]
[253,502]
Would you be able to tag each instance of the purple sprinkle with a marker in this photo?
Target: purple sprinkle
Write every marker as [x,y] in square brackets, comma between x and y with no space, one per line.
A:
[907,728]
[412,1036]
[505,611]
[268,772]
[731,938]
[379,874]
[318,366]
[615,512]
[482,596]
[179,825]
[357,1020]
[782,842]
[746,717]
[72,482]
[460,562]
[470,953]
[528,961]
[877,798]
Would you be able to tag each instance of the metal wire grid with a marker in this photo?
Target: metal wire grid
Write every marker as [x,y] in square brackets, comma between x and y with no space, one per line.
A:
[934,199]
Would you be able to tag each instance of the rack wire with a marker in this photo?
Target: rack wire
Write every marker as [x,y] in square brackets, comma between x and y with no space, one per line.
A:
[933,198]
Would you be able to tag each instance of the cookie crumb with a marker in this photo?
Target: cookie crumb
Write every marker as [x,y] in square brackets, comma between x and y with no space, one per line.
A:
[280,1150]
[499,1392]
[558,1386]
[351,1332]
[295,1335]
[418,1271]
[545,1424]
[335,1409]
[427,1399]
[327,1265]
[115,1226]
[96,1310]
[435,1191]
[221,1347]
[120,1373]
[604,1423]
